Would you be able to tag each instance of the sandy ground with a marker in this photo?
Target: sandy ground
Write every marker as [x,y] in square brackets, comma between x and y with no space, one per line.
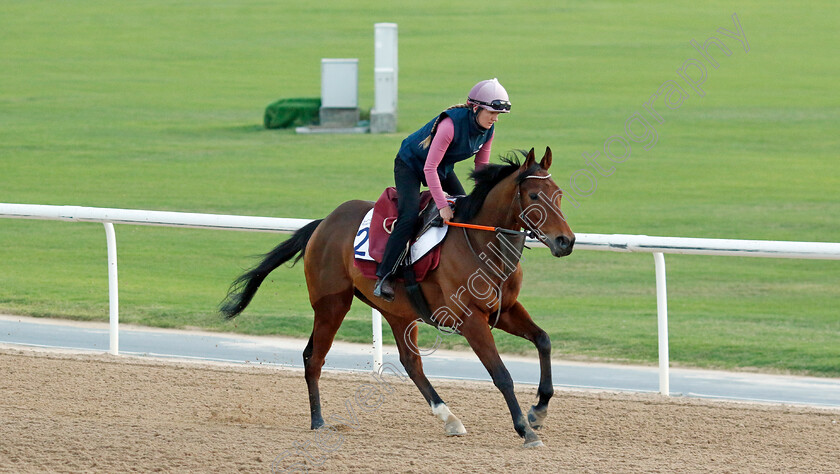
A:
[98,413]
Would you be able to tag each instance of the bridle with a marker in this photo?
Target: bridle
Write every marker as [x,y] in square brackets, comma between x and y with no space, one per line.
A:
[532,233]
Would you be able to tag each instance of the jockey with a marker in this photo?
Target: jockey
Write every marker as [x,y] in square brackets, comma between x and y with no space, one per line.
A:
[428,157]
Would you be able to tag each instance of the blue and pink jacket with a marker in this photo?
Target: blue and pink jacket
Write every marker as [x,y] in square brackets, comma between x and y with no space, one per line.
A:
[457,137]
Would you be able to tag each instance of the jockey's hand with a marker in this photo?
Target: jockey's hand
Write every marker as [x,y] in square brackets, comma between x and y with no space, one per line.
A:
[446,213]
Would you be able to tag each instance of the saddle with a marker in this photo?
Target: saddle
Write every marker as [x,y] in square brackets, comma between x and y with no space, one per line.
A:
[376,227]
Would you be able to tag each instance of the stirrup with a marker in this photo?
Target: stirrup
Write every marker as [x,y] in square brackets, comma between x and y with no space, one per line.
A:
[384,288]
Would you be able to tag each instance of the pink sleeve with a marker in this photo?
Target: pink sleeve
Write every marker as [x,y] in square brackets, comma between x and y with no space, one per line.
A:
[482,158]
[443,137]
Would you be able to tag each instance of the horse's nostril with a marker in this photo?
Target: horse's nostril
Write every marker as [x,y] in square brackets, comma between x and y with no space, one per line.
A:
[563,241]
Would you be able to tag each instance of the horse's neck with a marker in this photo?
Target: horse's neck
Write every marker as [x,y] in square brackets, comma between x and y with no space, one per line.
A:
[498,209]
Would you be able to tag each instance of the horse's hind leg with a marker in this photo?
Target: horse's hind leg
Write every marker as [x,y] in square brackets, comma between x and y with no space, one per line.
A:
[518,322]
[329,314]
[405,334]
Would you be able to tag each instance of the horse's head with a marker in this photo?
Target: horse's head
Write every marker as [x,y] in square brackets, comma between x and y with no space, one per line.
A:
[540,200]
[521,195]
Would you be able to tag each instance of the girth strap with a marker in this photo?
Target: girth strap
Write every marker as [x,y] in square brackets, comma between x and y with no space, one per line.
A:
[419,303]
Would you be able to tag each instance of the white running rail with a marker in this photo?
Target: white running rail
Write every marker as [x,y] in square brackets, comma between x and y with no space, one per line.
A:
[658,246]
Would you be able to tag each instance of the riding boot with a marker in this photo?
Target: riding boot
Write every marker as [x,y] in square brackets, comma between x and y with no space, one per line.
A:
[387,271]
[384,288]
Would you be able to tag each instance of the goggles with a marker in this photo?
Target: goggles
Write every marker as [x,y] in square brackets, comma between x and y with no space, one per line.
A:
[500,105]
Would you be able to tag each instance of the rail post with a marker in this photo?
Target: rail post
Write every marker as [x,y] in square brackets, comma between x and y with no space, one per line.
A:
[377,340]
[113,290]
[662,323]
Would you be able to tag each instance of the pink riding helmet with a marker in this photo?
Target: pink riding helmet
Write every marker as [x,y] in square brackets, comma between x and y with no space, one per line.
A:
[490,95]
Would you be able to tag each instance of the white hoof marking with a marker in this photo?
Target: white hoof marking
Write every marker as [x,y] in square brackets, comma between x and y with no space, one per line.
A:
[452,425]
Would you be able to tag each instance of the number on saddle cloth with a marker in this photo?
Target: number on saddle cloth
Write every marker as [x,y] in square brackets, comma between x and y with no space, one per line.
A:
[369,245]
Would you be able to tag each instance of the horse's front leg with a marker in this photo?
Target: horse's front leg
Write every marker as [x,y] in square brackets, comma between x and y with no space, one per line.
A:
[518,322]
[405,334]
[477,332]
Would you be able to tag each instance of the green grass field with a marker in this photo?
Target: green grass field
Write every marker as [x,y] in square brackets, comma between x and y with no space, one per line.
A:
[158,105]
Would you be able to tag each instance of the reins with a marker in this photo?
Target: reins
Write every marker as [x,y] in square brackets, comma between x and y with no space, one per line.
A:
[485,227]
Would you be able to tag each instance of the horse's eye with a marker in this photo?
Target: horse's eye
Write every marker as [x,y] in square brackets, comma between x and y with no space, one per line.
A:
[533,196]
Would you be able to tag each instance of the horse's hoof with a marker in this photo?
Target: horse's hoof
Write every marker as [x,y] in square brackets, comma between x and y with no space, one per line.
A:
[532,440]
[455,428]
[534,444]
[536,419]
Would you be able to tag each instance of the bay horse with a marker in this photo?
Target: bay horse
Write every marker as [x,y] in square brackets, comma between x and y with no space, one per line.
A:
[505,196]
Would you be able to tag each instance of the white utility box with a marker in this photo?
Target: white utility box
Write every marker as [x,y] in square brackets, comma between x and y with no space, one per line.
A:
[339,92]
[340,83]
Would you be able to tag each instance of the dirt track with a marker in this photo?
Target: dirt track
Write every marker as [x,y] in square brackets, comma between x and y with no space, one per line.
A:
[106,414]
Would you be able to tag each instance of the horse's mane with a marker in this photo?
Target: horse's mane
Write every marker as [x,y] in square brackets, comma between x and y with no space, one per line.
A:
[486,179]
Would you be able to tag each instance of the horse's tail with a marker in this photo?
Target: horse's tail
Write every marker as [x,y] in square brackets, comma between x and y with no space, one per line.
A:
[243,288]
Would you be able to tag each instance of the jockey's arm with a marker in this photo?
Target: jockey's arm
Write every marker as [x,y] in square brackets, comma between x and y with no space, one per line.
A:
[440,143]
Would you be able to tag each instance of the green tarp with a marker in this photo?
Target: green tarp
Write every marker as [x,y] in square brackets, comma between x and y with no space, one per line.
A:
[292,112]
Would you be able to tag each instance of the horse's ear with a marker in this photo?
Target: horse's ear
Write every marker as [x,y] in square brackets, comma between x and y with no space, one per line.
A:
[529,159]
[545,163]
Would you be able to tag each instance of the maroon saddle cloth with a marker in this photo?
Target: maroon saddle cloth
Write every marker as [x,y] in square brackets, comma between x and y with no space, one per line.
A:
[381,225]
